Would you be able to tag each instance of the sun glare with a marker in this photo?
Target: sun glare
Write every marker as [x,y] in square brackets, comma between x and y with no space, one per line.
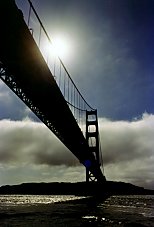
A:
[61,47]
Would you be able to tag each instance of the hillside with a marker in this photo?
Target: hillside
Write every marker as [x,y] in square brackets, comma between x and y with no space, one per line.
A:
[80,188]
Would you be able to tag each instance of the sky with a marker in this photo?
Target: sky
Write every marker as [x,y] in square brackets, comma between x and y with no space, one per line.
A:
[111,62]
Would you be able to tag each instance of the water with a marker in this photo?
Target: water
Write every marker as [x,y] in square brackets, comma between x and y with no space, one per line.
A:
[61,211]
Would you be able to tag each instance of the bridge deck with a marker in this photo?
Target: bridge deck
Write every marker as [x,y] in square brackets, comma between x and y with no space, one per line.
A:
[21,56]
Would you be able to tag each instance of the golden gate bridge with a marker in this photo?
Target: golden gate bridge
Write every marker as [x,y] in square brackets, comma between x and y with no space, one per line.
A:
[41,80]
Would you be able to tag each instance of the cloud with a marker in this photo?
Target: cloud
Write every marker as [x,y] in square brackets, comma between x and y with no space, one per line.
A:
[30,152]
[128,150]
[32,142]
[13,174]
[127,141]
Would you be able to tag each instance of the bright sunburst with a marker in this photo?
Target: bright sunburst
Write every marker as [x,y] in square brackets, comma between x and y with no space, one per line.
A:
[61,47]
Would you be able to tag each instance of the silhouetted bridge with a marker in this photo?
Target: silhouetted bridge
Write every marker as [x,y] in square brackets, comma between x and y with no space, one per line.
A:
[42,82]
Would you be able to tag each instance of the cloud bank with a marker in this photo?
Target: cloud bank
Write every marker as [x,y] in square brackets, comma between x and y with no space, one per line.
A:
[128,150]
[32,142]
[30,152]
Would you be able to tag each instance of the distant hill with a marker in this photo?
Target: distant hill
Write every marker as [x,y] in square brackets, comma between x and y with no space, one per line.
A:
[80,188]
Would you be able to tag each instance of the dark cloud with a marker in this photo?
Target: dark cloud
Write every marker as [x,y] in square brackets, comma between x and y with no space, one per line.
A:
[31,142]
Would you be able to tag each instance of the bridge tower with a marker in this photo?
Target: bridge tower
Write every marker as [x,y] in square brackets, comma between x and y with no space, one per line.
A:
[92,137]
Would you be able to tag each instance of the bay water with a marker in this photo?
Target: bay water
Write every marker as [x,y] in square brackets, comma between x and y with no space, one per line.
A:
[75,211]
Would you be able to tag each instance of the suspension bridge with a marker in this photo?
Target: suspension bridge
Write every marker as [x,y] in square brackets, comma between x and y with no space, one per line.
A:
[41,80]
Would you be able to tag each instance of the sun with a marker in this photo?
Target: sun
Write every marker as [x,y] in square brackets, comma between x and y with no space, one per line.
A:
[61,46]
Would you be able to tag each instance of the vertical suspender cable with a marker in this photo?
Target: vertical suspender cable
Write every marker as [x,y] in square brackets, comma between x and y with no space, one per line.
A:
[74,100]
[64,83]
[29,14]
[40,36]
[68,89]
[60,76]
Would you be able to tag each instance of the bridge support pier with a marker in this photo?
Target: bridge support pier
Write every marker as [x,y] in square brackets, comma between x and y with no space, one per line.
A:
[92,137]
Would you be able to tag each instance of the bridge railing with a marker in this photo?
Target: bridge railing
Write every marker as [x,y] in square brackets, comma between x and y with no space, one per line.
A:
[76,102]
